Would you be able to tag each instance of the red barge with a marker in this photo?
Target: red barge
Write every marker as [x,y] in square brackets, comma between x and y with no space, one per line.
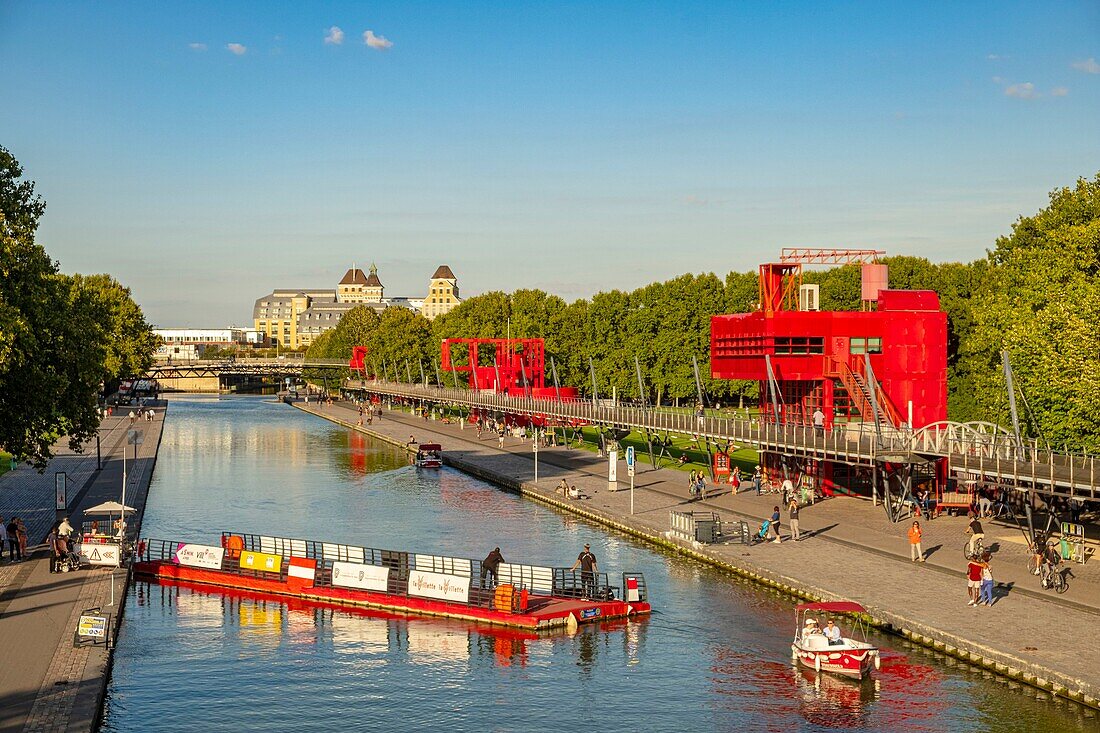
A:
[523,596]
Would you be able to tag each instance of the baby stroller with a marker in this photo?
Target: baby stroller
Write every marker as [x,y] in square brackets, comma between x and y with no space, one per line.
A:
[762,534]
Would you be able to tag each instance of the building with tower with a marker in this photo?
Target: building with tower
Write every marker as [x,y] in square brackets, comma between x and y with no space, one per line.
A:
[442,294]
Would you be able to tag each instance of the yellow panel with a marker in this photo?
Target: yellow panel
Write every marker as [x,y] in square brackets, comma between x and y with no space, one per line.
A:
[261,561]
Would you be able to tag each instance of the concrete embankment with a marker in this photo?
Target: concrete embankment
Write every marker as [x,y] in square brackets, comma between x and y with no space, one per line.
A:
[1025,636]
[47,684]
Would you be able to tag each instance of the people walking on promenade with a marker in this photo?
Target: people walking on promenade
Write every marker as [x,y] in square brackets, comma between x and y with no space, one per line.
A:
[916,552]
[973,580]
[13,539]
[819,421]
[21,533]
[52,543]
[774,527]
[500,438]
[4,540]
[735,479]
[489,567]
[792,515]
[132,417]
[589,567]
[788,490]
[986,596]
[64,529]
[974,529]
[757,480]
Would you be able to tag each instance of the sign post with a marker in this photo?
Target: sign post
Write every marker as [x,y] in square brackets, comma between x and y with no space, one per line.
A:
[612,467]
[60,482]
[535,450]
[93,627]
[630,473]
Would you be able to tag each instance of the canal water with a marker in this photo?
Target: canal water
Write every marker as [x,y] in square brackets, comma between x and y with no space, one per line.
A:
[715,656]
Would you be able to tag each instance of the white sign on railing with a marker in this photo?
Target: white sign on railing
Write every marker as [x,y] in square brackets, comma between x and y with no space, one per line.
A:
[200,556]
[108,555]
[364,577]
[438,585]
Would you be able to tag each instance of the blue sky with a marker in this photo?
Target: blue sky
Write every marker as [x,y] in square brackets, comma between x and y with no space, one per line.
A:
[573,147]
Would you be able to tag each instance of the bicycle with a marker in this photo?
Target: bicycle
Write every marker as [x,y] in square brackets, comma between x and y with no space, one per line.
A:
[1051,578]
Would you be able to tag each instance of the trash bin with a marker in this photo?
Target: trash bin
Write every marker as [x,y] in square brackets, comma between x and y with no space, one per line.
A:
[706,531]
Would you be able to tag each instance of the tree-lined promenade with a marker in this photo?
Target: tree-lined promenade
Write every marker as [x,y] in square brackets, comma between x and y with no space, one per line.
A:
[62,337]
[1036,294]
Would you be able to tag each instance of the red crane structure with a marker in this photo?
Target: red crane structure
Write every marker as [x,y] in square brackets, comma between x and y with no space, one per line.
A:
[507,366]
[885,364]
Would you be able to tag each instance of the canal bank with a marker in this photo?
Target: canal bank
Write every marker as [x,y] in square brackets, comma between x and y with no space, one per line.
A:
[1025,636]
[46,683]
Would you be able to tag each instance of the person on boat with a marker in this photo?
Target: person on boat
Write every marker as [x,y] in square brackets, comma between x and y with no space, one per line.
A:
[589,568]
[832,633]
[811,629]
[489,567]
[412,440]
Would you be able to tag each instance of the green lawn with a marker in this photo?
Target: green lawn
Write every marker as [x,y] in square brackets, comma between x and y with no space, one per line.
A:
[5,462]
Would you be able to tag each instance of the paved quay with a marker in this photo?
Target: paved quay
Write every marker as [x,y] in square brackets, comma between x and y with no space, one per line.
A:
[47,684]
[849,551]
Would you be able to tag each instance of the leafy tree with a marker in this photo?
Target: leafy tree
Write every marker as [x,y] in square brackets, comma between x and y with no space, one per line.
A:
[403,336]
[50,360]
[1040,300]
[128,338]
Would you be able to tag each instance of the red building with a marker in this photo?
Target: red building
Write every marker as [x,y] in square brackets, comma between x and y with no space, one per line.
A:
[806,359]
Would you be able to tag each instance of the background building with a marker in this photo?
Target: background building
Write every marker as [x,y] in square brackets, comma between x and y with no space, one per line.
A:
[442,294]
[294,318]
[191,343]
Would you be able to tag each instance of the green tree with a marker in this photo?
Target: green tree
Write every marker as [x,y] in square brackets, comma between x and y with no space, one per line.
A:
[404,337]
[1040,300]
[128,338]
[50,359]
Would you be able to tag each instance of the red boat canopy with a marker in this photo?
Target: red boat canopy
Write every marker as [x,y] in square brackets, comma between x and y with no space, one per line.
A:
[833,607]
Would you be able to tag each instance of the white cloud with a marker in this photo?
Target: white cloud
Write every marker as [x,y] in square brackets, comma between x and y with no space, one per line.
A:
[1089,66]
[1059,91]
[334,36]
[996,57]
[236,48]
[197,46]
[1021,91]
[378,42]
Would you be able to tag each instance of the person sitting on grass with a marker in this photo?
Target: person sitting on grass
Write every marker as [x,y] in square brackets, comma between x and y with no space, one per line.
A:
[683,459]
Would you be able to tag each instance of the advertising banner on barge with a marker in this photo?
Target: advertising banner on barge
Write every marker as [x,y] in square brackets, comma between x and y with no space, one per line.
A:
[454,588]
[364,577]
[261,561]
[200,556]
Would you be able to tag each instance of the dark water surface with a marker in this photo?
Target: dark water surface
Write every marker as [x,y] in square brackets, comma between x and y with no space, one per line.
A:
[715,656]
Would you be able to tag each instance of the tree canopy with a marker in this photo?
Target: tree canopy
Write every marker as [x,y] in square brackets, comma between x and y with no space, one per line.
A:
[61,336]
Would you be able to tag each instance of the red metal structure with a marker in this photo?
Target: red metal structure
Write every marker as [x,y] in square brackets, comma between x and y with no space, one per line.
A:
[358,359]
[507,366]
[806,360]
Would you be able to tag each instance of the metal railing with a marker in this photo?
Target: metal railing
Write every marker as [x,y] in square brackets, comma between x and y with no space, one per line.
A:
[1027,464]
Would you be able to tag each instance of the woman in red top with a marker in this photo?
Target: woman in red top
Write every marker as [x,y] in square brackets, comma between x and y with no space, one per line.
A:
[973,580]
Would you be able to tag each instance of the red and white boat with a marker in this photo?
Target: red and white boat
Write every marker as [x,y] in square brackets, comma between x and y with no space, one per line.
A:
[846,656]
[429,455]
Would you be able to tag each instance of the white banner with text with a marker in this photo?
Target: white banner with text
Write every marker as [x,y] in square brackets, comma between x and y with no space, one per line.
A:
[364,577]
[437,585]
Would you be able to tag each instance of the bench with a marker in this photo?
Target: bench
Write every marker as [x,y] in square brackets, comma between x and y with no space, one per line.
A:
[954,500]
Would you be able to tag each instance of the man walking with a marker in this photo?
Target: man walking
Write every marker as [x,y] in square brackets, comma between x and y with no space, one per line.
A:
[792,513]
[757,480]
[4,540]
[13,540]
[916,552]
[589,568]
[819,421]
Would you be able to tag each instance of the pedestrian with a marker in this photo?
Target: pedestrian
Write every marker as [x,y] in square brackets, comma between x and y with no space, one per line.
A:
[589,567]
[757,480]
[916,552]
[986,595]
[985,504]
[774,526]
[52,542]
[4,540]
[132,417]
[692,486]
[489,567]
[973,580]
[479,430]
[974,529]
[788,490]
[819,421]
[735,479]
[64,529]
[701,482]
[21,533]
[13,540]
[792,514]
[500,438]
[412,440]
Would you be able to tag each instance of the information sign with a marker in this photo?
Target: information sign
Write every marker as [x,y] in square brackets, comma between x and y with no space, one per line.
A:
[200,556]
[365,577]
[92,627]
[612,470]
[61,485]
[437,585]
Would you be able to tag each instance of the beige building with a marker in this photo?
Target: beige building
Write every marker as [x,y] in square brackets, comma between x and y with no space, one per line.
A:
[294,318]
[442,294]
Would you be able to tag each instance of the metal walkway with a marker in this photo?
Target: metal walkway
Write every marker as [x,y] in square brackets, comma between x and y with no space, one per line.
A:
[975,449]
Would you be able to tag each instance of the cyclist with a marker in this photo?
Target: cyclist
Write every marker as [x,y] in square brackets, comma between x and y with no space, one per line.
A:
[1051,560]
[977,534]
